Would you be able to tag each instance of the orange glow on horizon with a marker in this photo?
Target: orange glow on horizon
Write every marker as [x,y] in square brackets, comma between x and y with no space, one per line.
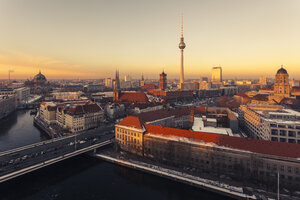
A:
[91,40]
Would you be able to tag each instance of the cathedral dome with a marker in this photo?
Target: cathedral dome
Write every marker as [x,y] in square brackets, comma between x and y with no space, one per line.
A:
[282,71]
[39,77]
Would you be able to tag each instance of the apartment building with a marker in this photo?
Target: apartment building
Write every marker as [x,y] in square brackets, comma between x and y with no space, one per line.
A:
[73,116]
[270,122]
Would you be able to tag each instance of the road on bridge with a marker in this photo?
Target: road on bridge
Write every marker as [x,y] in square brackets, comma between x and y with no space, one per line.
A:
[39,153]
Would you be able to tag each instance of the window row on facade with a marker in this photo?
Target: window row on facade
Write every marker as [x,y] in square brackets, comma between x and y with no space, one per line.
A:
[285,133]
[285,126]
[120,130]
[127,138]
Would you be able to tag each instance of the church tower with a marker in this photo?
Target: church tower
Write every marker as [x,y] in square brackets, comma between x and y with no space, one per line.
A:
[163,81]
[142,81]
[281,85]
[117,90]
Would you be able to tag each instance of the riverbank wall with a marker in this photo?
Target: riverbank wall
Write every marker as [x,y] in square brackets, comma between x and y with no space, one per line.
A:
[213,186]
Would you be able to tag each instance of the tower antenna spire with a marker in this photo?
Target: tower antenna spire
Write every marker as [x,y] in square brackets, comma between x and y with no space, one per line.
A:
[181,25]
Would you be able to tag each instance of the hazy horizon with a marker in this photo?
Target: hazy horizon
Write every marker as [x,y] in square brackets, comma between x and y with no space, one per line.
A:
[91,39]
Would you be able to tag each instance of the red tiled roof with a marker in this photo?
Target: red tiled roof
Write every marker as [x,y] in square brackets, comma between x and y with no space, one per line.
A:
[267,88]
[81,109]
[242,95]
[201,109]
[149,86]
[160,114]
[253,145]
[261,97]
[163,113]
[51,108]
[131,121]
[138,120]
[134,97]
[172,94]
[178,112]
[295,89]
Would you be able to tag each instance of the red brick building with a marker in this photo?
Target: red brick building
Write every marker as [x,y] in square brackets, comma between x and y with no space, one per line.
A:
[242,159]
[163,81]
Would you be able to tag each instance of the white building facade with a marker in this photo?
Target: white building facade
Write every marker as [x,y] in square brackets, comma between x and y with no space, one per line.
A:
[22,95]
[270,122]
[72,116]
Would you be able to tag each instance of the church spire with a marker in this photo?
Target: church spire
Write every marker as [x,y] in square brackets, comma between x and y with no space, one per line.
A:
[117,91]
[117,80]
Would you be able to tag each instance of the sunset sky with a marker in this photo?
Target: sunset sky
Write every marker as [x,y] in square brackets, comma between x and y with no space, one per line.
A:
[92,38]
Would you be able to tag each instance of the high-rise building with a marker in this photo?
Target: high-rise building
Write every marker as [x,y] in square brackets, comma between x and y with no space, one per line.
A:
[127,78]
[270,122]
[163,81]
[216,75]
[117,91]
[204,85]
[142,81]
[108,82]
[294,83]
[22,95]
[282,85]
[263,80]
[181,47]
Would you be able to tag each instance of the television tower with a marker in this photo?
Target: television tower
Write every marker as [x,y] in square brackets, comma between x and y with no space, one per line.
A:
[181,47]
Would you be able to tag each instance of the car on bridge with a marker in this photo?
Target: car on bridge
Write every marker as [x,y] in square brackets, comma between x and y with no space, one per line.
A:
[24,157]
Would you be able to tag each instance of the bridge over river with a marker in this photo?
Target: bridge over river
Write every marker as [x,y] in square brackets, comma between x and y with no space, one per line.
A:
[19,161]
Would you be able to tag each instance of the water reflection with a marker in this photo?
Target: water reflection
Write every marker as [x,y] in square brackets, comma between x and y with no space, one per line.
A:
[7,123]
[31,184]
[17,130]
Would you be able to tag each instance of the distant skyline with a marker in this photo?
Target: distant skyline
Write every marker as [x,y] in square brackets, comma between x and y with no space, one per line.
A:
[93,38]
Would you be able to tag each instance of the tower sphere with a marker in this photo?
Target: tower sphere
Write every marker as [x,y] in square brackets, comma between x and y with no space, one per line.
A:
[181,45]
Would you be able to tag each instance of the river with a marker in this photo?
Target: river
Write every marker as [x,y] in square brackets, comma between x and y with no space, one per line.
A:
[83,177]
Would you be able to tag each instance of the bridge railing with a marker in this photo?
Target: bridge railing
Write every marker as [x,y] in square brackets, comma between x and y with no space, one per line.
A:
[18,171]
[54,140]
[25,156]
